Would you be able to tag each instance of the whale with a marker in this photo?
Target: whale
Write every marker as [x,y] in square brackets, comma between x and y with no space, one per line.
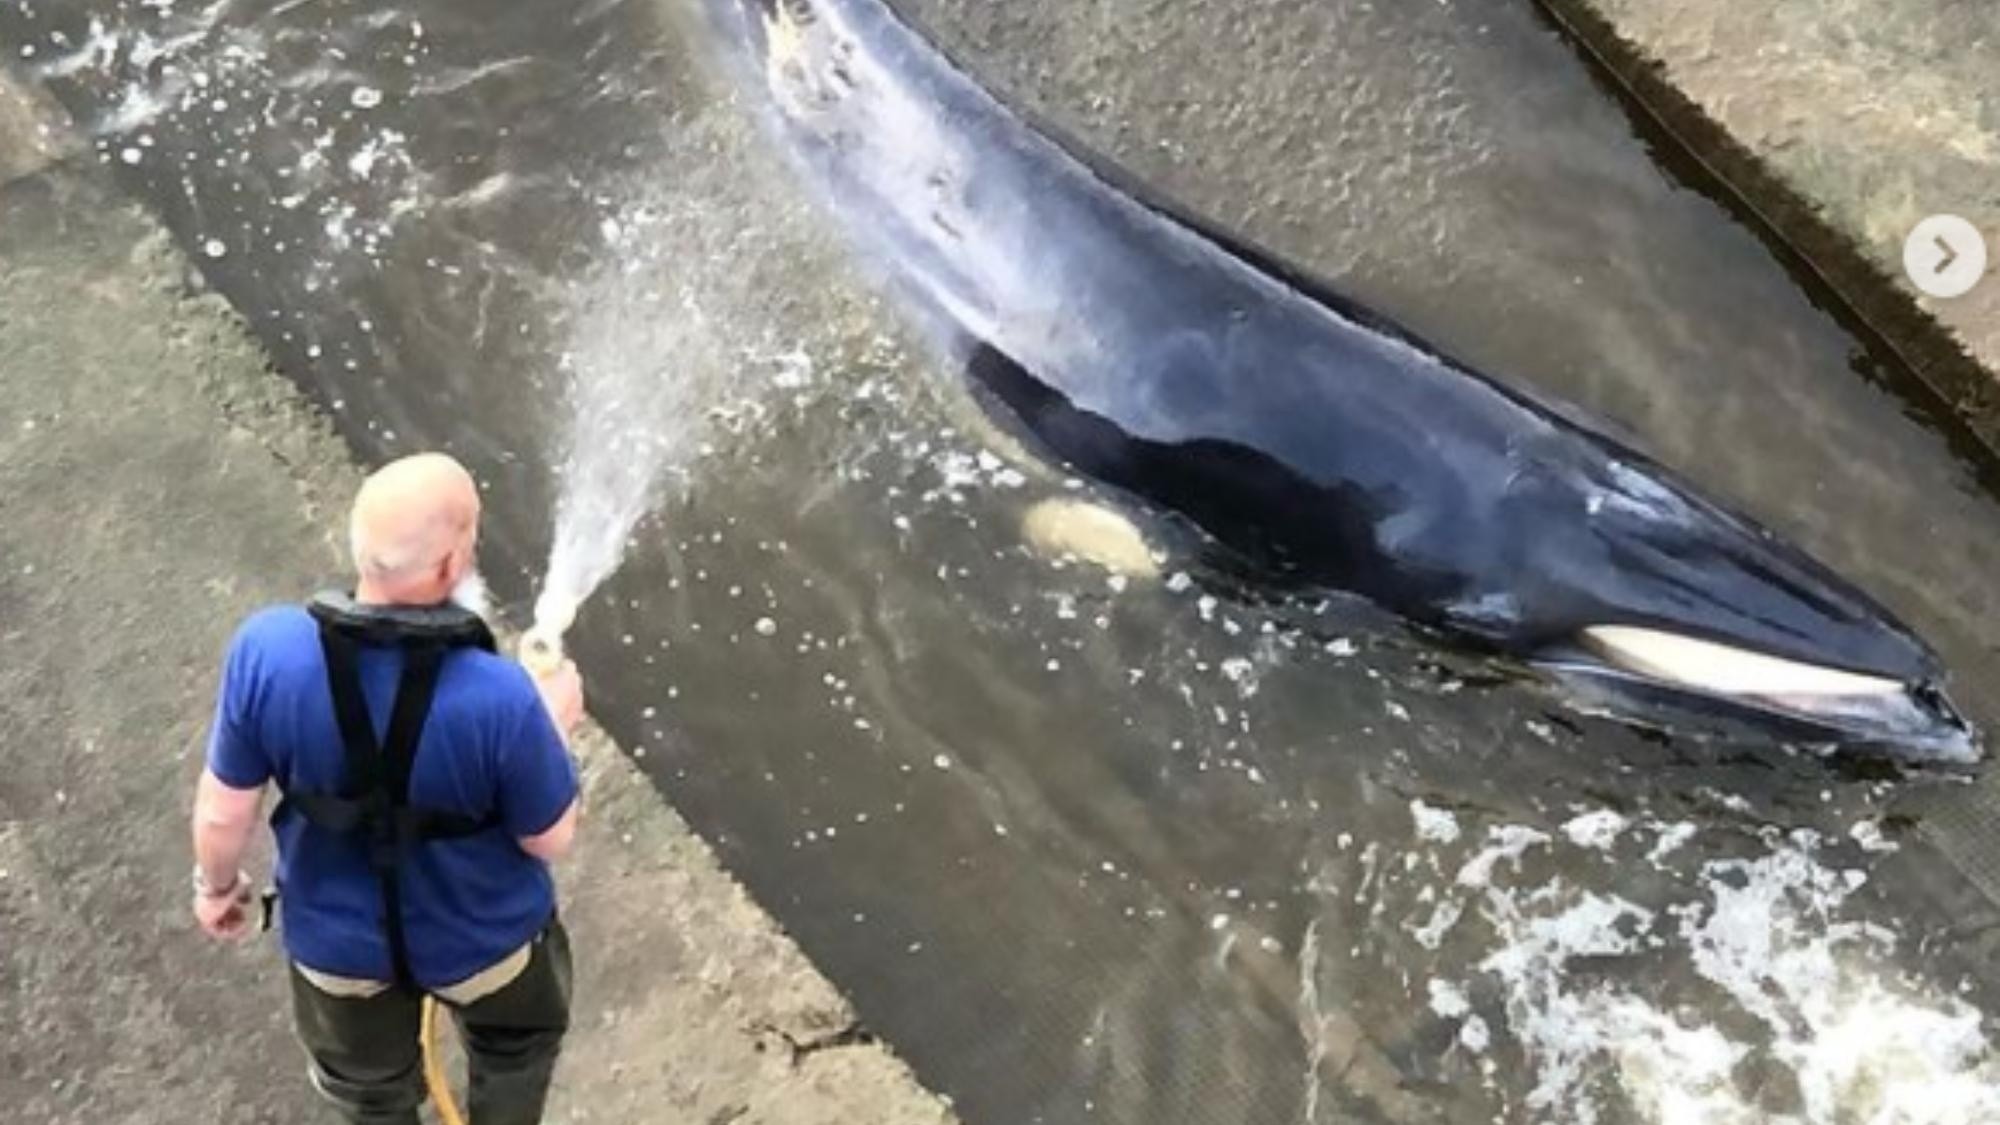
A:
[1320,444]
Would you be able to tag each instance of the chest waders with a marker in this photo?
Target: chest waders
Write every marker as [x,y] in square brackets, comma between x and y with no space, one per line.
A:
[373,806]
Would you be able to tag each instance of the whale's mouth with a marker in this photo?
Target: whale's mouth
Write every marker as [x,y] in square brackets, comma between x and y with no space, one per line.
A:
[1722,669]
[1831,704]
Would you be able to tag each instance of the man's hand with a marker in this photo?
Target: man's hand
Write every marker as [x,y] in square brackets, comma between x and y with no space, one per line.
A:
[225,916]
[224,818]
[562,694]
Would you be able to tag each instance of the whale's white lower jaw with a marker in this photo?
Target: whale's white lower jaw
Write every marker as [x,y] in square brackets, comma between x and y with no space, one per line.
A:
[1845,707]
[1725,669]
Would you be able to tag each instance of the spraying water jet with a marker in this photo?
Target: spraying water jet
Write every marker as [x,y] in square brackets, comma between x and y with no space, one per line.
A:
[653,347]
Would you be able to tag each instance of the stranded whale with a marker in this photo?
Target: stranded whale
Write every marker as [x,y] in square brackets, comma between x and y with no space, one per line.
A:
[1323,445]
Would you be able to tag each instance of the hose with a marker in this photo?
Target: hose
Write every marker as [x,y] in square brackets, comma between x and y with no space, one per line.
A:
[434,1077]
[541,650]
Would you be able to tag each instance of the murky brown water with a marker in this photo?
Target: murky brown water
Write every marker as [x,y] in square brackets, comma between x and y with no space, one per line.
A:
[1081,849]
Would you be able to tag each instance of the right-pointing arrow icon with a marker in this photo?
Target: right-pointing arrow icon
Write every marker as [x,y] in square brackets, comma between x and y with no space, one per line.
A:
[1950,255]
[1945,256]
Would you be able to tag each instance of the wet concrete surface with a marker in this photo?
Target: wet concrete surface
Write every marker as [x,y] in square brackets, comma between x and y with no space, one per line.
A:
[157,482]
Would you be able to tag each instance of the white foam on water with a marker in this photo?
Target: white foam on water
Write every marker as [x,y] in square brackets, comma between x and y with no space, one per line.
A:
[1598,829]
[1434,824]
[1506,842]
[1601,994]
[211,88]
[1312,1018]
[1864,1043]
[97,52]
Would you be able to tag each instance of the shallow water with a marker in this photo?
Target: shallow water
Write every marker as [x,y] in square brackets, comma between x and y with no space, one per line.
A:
[1085,847]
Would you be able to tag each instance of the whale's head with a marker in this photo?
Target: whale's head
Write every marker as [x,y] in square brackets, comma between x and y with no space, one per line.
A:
[1650,603]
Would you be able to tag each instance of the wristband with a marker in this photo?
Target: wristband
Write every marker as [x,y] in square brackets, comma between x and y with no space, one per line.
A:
[203,888]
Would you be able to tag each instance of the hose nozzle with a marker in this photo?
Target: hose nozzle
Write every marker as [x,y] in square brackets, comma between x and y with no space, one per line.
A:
[541,650]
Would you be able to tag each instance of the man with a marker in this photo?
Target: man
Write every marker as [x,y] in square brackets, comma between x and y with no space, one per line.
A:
[425,789]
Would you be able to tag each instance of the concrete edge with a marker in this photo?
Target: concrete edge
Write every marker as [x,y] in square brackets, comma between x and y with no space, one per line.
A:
[1874,303]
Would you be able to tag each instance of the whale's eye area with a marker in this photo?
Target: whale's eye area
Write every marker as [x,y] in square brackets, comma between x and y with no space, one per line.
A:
[1724,669]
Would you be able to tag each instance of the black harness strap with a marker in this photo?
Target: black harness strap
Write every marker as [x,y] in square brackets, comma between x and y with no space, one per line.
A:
[421,664]
[375,802]
[366,772]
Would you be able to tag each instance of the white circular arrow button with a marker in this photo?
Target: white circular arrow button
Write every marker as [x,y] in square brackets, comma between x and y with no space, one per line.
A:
[1945,256]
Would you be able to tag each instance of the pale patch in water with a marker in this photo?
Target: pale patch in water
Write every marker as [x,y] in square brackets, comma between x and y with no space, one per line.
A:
[1092,533]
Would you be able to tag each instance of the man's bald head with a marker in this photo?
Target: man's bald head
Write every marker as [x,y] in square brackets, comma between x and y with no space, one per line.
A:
[413,529]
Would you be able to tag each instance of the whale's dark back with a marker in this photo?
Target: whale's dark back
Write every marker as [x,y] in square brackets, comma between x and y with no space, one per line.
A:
[1319,441]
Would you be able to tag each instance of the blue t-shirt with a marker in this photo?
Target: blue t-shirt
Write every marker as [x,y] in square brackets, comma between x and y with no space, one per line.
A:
[489,747]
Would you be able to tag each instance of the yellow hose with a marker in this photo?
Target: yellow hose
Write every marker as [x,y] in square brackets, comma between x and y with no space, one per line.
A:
[542,651]
[434,1076]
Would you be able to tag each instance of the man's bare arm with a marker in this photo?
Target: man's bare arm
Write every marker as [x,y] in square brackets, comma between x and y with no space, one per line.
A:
[224,820]
[561,689]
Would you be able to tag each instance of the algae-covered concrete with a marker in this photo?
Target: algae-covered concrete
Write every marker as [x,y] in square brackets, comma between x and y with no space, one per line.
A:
[31,134]
[158,481]
[1843,122]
